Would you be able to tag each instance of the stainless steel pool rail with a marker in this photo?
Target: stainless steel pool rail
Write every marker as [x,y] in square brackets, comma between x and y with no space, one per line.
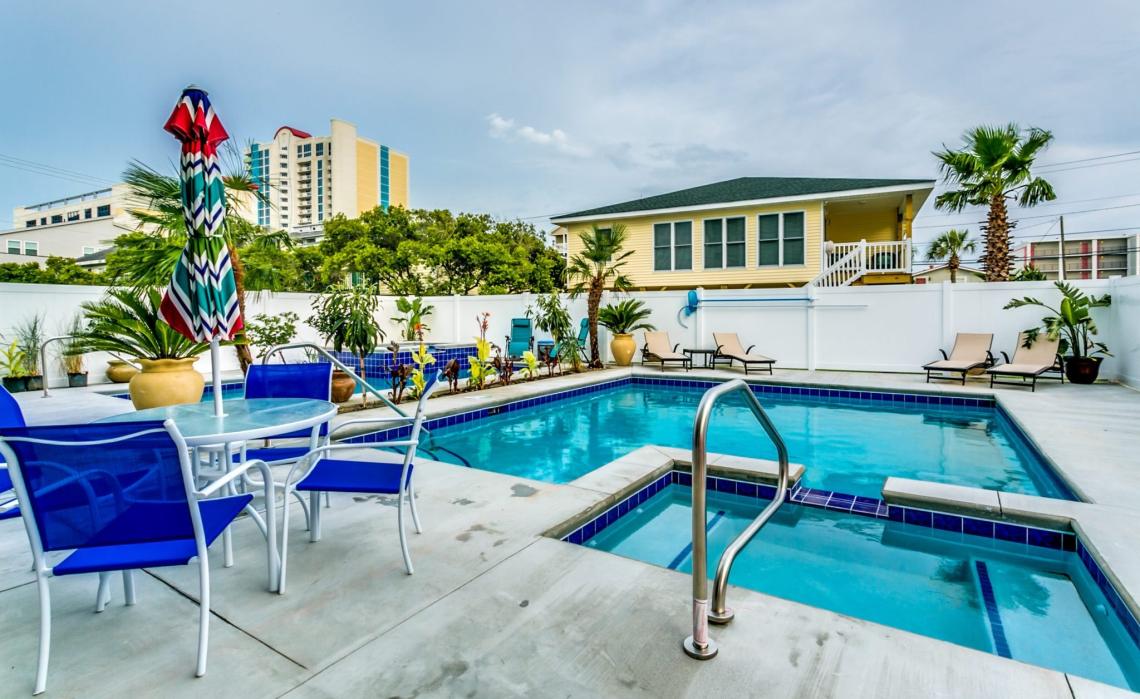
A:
[699,645]
[364,385]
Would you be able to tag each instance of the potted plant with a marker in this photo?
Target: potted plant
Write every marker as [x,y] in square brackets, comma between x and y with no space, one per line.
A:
[120,371]
[622,318]
[346,317]
[30,335]
[126,322]
[71,355]
[264,332]
[413,313]
[12,363]
[1074,325]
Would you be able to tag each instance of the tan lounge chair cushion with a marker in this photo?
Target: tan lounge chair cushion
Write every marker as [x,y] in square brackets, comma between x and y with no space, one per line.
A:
[1020,369]
[658,345]
[970,350]
[729,344]
[952,365]
[1030,361]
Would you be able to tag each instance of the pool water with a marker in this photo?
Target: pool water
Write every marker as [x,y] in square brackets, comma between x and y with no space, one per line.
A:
[846,445]
[1048,611]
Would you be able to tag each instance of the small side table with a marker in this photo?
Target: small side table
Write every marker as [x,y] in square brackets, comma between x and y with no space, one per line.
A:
[709,361]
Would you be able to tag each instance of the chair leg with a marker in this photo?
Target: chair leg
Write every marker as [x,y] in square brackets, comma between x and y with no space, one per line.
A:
[103,595]
[304,508]
[203,614]
[328,499]
[314,516]
[284,545]
[129,587]
[403,534]
[45,632]
[415,513]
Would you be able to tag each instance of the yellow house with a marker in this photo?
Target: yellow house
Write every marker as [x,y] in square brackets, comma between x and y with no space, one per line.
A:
[765,232]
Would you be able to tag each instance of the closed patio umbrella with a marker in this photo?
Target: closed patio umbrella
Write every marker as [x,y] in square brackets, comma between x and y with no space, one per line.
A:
[201,301]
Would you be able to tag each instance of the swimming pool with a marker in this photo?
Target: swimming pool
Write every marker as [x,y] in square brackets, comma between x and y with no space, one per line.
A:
[1035,603]
[847,444]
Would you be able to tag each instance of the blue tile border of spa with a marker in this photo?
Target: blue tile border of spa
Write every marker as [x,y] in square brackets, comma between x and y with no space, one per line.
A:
[871,507]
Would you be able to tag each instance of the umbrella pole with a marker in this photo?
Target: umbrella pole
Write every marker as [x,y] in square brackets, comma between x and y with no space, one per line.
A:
[216,372]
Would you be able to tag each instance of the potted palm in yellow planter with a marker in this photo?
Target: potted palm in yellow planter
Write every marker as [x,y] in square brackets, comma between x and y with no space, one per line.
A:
[126,323]
[622,319]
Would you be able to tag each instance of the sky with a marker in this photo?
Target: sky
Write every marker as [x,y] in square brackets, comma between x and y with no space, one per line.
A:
[527,109]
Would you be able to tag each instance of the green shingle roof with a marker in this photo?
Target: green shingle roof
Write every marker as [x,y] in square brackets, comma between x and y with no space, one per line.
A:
[744,189]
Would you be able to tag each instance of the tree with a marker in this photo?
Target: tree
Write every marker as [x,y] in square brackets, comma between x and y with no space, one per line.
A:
[56,270]
[949,246]
[993,167]
[593,269]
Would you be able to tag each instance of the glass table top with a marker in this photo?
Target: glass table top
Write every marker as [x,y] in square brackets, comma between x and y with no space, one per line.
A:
[243,419]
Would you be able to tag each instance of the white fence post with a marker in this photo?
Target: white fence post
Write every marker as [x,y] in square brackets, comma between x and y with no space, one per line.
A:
[949,322]
[810,333]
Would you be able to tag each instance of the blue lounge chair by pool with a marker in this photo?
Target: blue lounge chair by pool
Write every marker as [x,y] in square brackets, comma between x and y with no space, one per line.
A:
[10,416]
[319,472]
[583,334]
[521,338]
[120,497]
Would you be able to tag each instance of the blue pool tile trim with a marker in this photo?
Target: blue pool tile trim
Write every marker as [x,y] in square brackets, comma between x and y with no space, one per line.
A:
[871,507]
[997,630]
[824,392]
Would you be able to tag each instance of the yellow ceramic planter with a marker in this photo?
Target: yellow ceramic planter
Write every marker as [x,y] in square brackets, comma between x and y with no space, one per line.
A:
[119,371]
[166,382]
[623,347]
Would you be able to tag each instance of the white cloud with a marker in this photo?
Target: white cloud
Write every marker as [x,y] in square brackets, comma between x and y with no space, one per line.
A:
[503,127]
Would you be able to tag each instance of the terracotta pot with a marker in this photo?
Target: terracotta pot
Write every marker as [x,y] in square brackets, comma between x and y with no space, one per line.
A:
[119,371]
[343,386]
[1082,370]
[166,382]
[622,346]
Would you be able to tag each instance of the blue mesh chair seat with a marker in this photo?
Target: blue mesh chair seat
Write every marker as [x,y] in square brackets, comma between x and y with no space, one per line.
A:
[313,381]
[322,470]
[10,416]
[521,338]
[119,497]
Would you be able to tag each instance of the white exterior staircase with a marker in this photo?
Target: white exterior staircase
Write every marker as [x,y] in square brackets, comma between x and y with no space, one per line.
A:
[846,263]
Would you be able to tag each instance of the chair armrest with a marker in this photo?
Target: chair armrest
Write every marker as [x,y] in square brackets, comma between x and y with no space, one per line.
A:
[676,346]
[371,420]
[944,355]
[237,472]
[990,360]
[1005,357]
[717,352]
[750,348]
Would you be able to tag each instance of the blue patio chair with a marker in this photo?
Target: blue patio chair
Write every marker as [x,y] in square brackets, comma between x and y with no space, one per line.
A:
[310,380]
[521,338]
[319,473]
[10,416]
[583,334]
[120,497]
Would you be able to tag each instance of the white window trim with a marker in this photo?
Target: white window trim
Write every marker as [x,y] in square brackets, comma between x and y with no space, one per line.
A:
[780,238]
[19,246]
[724,243]
[673,245]
[34,243]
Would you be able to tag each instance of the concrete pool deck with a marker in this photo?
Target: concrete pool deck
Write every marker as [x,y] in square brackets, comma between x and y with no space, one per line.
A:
[497,609]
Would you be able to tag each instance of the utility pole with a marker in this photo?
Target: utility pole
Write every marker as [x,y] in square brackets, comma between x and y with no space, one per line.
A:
[1061,253]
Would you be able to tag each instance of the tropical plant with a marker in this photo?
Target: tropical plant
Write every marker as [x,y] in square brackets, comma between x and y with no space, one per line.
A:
[550,316]
[30,334]
[421,358]
[1071,321]
[949,246]
[71,353]
[346,317]
[594,269]
[481,367]
[266,331]
[125,322]
[624,317]
[993,168]
[413,312]
[12,361]
[530,364]
[1029,273]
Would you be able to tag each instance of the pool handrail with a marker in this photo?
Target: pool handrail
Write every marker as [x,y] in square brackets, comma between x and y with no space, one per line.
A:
[364,385]
[699,645]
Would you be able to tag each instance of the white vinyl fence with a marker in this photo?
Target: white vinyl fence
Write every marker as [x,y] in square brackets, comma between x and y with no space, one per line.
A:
[887,328]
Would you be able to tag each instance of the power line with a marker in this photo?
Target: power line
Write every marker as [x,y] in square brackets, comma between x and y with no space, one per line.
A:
[1085,160]
[38,168]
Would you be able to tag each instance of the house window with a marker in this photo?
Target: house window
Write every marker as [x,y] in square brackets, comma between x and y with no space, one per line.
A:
[13,247]
[87,213]
[724,242]
[31,247]
[104,210]
[781,239]
[57,218]
[320,149]
[87,250]
[43,221]
[672,246]
[30,223]
[72,215]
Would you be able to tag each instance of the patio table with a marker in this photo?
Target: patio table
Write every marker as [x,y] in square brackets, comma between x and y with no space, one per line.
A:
[243,420]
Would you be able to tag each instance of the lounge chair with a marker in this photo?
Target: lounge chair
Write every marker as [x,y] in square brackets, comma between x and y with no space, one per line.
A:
[521,338]
[657,348]
[728,347]
[1029,362]
[121,497]
[583,334]
[971,351]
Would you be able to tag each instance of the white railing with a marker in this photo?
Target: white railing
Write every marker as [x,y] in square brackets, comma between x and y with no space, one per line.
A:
[845,263]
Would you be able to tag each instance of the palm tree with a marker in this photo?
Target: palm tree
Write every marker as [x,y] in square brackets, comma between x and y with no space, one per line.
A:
[993,167]
[949,246]
[156,204]
[593,269]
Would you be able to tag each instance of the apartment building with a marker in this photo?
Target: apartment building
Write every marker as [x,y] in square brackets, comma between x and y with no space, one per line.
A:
[73,227]
[1086,257]
[306,179]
